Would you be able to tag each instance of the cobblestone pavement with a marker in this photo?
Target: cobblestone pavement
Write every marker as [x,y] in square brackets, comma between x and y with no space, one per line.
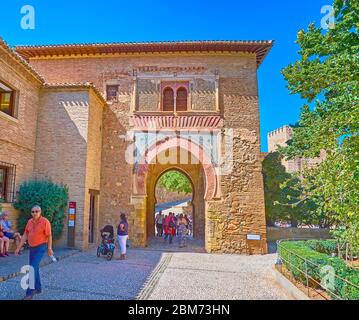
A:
[83,276]
[154,274]
[193,245]
[10,266]
[195,276]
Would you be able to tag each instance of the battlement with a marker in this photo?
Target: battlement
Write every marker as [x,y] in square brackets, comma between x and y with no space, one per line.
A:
[285,129]
[279,137]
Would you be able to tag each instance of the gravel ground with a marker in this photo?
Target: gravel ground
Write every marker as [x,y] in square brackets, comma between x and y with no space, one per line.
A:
[195,276]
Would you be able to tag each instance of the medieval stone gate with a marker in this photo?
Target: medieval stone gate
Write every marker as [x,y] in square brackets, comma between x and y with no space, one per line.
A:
[173,152]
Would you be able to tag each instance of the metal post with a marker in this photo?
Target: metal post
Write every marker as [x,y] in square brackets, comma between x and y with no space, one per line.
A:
[306,275]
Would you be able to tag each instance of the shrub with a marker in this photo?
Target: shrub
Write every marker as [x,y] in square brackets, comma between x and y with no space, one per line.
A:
[51,197]
[294,262]
[324,246]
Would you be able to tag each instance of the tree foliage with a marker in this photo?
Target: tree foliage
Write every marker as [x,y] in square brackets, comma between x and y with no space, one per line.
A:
[175,181]
[51,197]
[327,76]
[283,193]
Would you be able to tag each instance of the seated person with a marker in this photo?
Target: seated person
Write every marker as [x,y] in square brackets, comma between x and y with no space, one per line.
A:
[4,244]
[7,228]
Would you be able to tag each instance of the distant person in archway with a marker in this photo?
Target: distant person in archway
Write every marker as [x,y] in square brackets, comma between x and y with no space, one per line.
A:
[175,217]
[159,224]
[182,231]
[169,227]
[122,235]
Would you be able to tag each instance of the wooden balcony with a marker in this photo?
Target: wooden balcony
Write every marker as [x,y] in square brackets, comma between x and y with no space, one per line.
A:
[175,122]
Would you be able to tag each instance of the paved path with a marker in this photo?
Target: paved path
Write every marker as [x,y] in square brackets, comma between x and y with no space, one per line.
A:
[195,276]
[83,276]
[10,266]
[154,274]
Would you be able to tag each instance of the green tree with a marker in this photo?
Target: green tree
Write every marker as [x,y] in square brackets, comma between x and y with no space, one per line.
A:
[51,197]
[327,76]
[283,193]
[175,181]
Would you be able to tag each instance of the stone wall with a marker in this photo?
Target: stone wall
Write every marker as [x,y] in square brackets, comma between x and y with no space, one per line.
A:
[164,196]
[280,137]
[274,234]
[203,95]
[241,210]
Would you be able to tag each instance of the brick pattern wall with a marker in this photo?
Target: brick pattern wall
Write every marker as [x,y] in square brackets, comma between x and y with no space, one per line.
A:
[62,149]
[148,95]
[203,95]
[17,135]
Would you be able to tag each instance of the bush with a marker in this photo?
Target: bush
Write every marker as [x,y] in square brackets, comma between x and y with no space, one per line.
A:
[324,246]
[51,197]
[296,265]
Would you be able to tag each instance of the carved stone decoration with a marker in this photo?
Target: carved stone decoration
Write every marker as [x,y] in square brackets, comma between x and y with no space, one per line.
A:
[177,142]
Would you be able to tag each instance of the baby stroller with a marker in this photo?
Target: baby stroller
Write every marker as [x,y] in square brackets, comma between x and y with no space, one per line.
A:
[107,246]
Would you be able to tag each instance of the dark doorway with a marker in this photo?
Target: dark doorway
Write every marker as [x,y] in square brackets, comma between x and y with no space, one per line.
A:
[92,217]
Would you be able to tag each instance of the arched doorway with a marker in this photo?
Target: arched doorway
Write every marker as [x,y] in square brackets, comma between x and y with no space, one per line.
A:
[193,171]
[173,193]
[173,153]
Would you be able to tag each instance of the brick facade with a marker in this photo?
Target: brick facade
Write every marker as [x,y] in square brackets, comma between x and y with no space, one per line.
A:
[18,133]
[81,141]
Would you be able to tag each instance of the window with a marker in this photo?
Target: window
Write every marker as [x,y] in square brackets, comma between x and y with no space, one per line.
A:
[7,182]
[7,99]
[168,99]
[111,92]
[175,95]
[181,100]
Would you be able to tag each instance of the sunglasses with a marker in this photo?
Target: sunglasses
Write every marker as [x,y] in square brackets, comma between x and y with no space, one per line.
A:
[35,211]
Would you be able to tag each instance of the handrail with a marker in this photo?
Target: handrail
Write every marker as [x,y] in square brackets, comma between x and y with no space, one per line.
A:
[314,264]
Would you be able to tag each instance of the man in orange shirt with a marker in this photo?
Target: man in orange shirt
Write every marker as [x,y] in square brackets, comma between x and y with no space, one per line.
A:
[38,235]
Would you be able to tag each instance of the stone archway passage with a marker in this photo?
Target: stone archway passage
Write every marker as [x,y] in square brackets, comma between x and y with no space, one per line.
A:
[194,172]
[198,168]
[193,150]
[174,192]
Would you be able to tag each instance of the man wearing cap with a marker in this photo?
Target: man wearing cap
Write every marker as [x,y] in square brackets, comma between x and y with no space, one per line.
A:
[38,235]
[7,228]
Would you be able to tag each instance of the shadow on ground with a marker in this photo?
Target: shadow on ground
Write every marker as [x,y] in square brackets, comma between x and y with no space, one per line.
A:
[84,276]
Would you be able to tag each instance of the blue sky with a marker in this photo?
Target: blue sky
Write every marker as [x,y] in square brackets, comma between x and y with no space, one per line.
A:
[121,21]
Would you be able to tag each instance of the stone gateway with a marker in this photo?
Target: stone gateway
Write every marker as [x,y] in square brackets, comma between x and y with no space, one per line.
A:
[111,119]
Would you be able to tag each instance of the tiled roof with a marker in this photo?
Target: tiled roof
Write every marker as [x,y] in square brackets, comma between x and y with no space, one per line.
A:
[146,122]
[19,59]
[259,47]
[80,85]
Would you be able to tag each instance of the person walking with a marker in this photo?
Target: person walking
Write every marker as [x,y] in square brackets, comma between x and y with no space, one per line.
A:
[182,231]
[38,234]
[122,235]
[169,227]
[159,224]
